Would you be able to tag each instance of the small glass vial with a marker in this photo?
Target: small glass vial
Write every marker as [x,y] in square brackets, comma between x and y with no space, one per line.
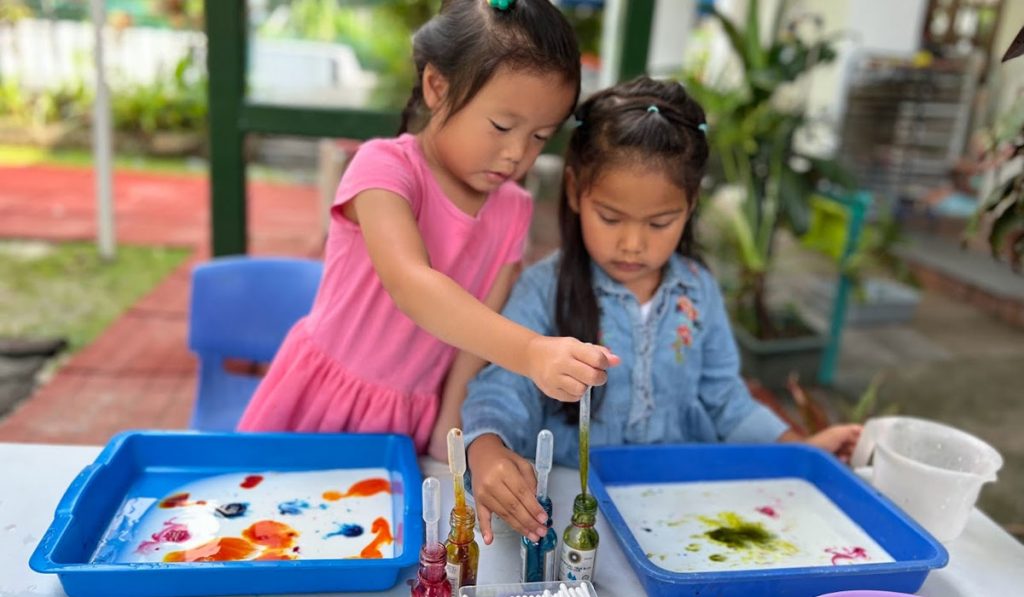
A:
[432,578]
[539,562]
[463,551]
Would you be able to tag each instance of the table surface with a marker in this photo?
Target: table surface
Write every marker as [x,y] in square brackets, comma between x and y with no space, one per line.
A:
[985,560]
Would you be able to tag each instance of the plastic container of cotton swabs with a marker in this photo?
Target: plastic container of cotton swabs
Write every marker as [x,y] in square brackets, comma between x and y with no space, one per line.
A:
[531,589]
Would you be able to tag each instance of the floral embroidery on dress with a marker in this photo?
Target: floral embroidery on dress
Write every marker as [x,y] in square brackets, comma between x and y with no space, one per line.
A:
[688,322]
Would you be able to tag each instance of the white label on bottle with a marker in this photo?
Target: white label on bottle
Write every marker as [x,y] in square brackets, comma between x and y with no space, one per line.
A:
[454,572]
[576,564]
[550,566]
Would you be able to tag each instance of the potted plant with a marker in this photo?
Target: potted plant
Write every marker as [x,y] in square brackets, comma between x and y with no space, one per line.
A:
[762,183]
[1003,209]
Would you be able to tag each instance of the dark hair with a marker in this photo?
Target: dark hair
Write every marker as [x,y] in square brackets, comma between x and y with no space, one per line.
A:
[469,40]
[643,123]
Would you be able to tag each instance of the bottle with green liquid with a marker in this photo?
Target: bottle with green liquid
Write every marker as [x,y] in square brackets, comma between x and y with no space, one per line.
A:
[579,542]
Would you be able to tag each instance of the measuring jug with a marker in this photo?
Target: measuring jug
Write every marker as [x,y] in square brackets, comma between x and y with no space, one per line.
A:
[933,471]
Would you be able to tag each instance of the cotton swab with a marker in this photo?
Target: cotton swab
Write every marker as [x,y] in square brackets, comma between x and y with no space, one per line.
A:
[457,465]
[431,508]
[545,454]
[563,591]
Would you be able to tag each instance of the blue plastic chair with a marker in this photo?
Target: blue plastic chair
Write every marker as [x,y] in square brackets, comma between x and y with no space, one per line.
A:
[242,308]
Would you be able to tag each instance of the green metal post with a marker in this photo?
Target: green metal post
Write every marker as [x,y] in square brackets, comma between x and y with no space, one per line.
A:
[226,25]
[857,204]
[636,39]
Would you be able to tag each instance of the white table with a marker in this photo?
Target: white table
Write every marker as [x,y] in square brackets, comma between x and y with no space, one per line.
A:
[984,561]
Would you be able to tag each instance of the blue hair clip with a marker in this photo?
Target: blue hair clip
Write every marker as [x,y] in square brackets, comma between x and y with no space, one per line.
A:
[502,5]
[652,109]
[703,127]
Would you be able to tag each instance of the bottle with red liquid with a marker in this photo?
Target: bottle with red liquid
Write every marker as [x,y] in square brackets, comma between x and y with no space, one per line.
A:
[432,578]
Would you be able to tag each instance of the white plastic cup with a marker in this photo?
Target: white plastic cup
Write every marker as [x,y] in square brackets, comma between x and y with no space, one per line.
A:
[933,471]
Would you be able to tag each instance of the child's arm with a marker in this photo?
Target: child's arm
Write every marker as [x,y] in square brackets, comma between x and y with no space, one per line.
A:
[837,439]
[505,484]
[561,367]
[737,417]
[465,367]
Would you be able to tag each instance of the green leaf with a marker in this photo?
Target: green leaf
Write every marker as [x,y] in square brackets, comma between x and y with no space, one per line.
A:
[795,200]
[1011,219]
[866,403]
[756,56]
[995,198]
[736,38]
[832,171]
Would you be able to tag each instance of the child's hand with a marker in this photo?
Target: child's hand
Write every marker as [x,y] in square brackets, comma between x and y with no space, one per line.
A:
[838,439]
[563,367]
[505,484]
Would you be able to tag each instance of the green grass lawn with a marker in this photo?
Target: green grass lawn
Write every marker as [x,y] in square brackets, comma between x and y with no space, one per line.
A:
[66,290]
[24,155]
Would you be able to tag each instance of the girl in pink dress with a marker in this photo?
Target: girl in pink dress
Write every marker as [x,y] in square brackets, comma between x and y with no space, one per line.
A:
[426,238]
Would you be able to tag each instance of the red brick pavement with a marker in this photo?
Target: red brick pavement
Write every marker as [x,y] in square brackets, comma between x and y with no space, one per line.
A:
[138,373]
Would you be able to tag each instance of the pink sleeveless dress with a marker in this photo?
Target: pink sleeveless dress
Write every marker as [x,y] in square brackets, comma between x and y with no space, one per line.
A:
[356,363]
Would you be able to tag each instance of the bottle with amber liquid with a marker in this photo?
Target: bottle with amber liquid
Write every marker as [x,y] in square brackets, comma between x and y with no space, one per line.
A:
[462,548]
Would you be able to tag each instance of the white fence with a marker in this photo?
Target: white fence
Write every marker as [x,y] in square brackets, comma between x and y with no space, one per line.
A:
[44,54]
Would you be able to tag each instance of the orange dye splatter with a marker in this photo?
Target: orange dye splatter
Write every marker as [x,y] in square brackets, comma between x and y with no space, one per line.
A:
[364,488]
[251,481]
[272,534]
[180,500]
[226,549]
[276,555]
[383,532]
[369,487]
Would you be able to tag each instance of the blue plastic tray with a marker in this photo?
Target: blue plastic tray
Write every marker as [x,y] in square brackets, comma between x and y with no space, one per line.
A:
[149,464]
[915,551]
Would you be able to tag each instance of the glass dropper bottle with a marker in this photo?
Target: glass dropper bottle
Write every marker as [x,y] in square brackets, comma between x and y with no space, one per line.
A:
[539,558]
[463,550]
[432,578]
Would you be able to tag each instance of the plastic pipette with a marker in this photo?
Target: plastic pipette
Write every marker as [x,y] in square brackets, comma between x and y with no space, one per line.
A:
[584,438]
[431,508]
[457,465]
[545,453]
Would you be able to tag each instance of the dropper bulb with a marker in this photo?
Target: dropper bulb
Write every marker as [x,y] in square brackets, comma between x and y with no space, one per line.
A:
[456,453]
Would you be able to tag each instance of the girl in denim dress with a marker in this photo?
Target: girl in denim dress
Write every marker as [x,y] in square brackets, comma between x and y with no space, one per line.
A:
[627,278]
